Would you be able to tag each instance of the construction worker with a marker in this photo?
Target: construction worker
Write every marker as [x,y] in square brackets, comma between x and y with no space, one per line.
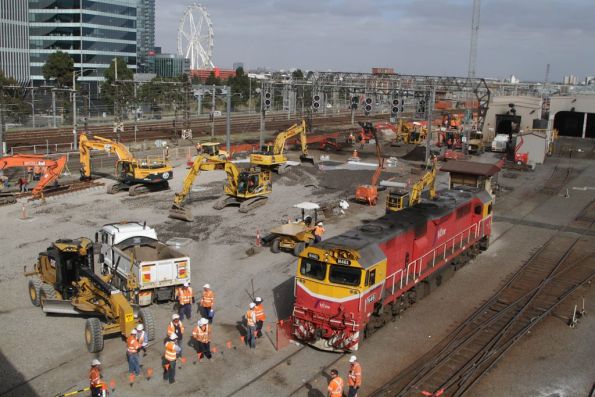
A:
[260,316]
[141,337]
[202,338]
[198,148]
[132,347]
[251,326]
[185,300]
[172,350]
[207,301]
[335,385]
[176,327]
[318,232]
[95,383]
[355,377]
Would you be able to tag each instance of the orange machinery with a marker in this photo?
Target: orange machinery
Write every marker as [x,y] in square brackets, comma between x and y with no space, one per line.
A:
[369,193]
[53,168]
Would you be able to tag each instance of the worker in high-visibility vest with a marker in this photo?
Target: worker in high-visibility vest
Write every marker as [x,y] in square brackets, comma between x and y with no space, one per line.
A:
[318,232]
[142,338]
[251,326]
[172,350]
[132,347]
[95,383]
[185,298]
[207,302]
[260,316]
[354,378]
[335,385]
[202,338]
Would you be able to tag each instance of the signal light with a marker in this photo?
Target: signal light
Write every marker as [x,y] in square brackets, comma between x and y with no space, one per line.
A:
[354,102]
[267,100]
[395,107]
[368,105]
[316,102]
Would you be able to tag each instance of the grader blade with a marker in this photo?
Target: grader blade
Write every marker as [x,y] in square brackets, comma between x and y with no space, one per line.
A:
[59,307]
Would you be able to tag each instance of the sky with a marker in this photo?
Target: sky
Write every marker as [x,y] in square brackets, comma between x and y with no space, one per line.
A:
[427,37]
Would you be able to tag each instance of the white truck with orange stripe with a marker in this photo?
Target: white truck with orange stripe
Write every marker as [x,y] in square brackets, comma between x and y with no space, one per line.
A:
[145,268]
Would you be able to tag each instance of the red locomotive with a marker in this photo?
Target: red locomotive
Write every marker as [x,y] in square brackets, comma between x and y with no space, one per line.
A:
[351,284]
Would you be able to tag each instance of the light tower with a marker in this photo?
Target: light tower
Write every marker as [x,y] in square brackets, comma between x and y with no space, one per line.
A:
[474,33]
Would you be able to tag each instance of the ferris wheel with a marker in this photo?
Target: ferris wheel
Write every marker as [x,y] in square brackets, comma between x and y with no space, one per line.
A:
[195,37]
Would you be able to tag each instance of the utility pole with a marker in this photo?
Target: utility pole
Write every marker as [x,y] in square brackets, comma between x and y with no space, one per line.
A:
[135,113]
[228,124]
[261,136]
[213,91]
[430,111]
[32,104]
[54,106]
[74,132]
[1,121]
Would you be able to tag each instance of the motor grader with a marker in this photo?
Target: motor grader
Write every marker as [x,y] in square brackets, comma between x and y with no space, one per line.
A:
[64,282]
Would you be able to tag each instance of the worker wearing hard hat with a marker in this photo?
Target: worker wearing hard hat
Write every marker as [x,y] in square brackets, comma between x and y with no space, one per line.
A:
[95,383]
[132,347]
[141,337]
[202,339]
[318,232]
[172,351]
[207,301]
[185,298]
[260,316]
[176,327]
[355,376]
[251,326]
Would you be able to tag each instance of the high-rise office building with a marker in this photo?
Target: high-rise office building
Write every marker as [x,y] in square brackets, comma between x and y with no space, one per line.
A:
[14,39]
[93,32]
[145,38]
[168,65]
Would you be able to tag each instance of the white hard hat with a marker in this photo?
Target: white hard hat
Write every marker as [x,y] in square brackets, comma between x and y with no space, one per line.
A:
[206,286]
[186,284]
[258,299]
[95,362]
[252,305]
[319,224]
[352,359]
[203,321]
[175,316]
[133,332]
[173,336]
[140,327]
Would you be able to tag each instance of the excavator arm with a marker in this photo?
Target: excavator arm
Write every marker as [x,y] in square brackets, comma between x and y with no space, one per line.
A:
[86,144]
[428,180]
[296,129]
[53,168]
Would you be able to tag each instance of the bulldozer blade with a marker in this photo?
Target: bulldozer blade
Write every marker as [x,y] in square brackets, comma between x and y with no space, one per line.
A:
[59,307]
[307,159]
[181,214]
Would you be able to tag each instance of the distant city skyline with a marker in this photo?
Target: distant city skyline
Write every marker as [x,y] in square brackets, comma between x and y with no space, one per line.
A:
[411,36]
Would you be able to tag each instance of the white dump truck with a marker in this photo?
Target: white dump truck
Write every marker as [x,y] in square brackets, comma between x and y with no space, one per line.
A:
[140,263]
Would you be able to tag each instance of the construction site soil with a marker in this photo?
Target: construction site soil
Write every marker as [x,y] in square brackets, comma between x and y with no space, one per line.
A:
[45,355]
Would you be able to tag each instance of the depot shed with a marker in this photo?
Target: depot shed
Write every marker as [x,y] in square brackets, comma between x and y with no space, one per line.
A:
[470,173]
[535,144]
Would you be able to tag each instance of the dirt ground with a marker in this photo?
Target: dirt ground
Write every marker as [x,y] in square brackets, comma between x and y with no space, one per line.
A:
[44,355]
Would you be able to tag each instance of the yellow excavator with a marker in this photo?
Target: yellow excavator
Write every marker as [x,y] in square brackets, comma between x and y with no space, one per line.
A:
[64,281]
[246,187]
[273,156]
[135,175]
[399,199]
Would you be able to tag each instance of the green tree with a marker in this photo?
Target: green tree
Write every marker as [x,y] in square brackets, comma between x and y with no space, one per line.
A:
[212,80]
[298,74]
[12,105]
[118,92]
[59,67]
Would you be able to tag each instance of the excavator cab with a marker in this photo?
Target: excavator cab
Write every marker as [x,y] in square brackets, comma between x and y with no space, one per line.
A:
[397,199]
[212,150]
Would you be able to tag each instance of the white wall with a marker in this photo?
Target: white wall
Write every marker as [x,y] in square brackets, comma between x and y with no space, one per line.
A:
[524,105]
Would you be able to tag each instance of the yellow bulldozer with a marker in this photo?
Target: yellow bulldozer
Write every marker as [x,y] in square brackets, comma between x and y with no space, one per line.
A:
[247,188]
[64,282]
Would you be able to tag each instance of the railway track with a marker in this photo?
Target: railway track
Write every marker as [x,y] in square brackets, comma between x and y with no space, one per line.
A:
[51,191]
[552,273]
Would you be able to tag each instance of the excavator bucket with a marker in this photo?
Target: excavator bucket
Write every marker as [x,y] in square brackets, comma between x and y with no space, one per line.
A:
[307,159]
[180,213]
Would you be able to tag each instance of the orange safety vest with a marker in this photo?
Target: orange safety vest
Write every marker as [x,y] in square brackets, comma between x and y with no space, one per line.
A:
[201,335]
[94,377]
[184,295]
[319,231]
[335,387]
[132,344]
[170,351]
[355,375]
[208,299]
[259,310]
[171,328]
[251,318]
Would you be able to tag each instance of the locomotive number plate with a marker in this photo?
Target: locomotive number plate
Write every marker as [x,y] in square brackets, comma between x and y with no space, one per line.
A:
[313,256]
[342,261]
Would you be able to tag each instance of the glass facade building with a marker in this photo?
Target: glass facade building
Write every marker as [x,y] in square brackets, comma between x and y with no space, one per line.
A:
[168,65]
[145,39]
[93,32]
[14,39]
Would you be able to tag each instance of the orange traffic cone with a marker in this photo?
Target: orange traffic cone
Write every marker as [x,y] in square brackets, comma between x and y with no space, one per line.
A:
[355,155]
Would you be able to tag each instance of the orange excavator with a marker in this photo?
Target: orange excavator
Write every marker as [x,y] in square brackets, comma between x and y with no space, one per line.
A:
[368,194]
[52,170]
